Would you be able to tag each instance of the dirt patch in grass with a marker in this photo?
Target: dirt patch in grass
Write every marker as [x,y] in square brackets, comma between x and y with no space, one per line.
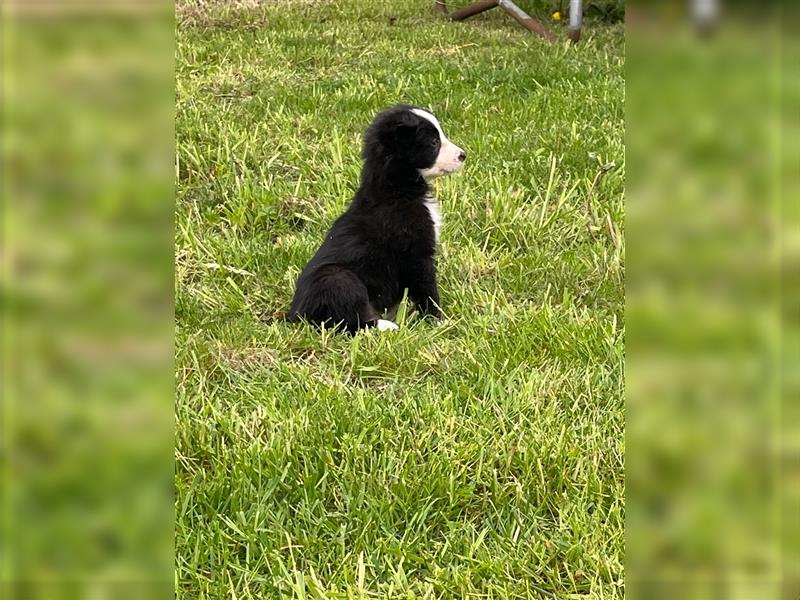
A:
[213,14]
[246,358]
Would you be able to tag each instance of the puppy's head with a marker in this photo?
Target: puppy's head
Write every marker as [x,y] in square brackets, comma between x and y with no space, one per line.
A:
[412,137]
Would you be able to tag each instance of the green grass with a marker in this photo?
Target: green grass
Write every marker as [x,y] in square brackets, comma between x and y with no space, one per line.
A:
[480,457]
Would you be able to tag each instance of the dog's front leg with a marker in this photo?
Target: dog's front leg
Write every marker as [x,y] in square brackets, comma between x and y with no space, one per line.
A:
[423,291]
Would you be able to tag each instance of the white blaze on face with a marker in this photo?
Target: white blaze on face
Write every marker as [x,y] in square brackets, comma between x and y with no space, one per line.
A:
[449,158]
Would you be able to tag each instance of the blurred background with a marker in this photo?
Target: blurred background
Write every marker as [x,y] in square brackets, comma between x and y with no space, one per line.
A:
[713,447]
[87,411]
[712,479]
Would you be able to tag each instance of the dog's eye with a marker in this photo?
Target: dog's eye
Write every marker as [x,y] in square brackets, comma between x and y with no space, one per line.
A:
[434,142]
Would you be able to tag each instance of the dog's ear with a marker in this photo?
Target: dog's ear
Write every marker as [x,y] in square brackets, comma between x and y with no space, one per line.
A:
[401,130]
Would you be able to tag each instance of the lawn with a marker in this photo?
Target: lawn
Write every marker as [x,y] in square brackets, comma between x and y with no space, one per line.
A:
[477,457]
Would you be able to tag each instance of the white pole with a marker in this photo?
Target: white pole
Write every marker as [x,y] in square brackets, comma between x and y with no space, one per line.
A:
[575,19]
[705,12]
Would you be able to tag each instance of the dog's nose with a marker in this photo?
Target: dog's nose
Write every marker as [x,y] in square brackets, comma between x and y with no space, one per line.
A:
[463,156]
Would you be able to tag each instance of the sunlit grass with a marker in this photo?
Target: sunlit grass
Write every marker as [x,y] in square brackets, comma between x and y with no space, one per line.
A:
[478,457]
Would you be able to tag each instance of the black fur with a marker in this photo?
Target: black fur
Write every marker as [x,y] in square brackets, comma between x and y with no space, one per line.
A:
[384,243]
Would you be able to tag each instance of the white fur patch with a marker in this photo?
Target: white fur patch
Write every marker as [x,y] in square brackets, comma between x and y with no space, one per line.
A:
[448,159]
[426,115]
[432,204]
[384,325]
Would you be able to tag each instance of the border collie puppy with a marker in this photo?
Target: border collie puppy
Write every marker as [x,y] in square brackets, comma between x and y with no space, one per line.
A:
[385,241]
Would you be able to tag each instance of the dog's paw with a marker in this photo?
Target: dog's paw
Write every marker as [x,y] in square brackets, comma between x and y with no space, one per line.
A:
[384,325]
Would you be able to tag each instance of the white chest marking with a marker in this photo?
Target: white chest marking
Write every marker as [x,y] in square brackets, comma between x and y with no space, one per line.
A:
[436,214]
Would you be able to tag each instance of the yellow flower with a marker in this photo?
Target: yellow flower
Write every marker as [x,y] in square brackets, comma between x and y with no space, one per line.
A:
[557,16]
